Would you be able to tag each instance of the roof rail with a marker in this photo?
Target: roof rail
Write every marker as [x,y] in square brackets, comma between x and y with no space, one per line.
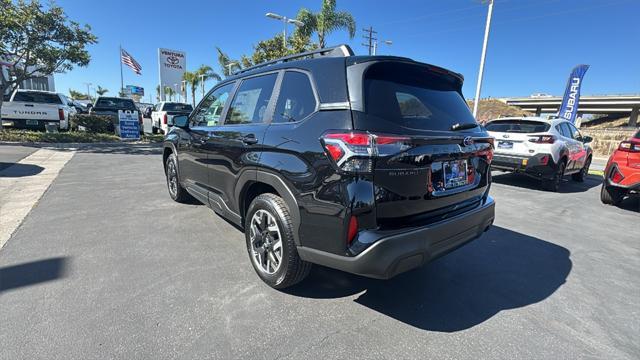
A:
[334,51]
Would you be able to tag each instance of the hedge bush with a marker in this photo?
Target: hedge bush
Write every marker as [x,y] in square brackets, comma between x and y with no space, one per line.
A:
[93,123]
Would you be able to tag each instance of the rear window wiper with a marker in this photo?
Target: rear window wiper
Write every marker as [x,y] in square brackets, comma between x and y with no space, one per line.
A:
[458,126]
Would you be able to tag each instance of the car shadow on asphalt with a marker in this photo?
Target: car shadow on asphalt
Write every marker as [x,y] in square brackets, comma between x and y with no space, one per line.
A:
[11,170]
[502,270]
[115,148]
[31,273]
[567,186]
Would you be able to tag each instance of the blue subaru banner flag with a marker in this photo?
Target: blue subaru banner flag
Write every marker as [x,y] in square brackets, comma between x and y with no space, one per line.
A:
[569,107]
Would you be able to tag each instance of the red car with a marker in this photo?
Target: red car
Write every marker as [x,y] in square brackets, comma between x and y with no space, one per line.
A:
[622,174]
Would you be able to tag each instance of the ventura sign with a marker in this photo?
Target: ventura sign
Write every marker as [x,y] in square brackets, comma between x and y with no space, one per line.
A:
[172,65]
[569,107]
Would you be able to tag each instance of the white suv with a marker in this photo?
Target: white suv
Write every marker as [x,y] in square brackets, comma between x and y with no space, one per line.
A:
[546,149]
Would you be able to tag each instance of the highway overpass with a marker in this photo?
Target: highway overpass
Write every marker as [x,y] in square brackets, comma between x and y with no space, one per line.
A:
[625,105]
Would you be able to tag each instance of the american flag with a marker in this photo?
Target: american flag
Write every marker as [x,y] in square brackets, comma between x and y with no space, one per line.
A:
[130,62]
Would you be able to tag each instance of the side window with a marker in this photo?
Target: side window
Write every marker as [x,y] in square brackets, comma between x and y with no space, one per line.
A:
[574,132]
[249,105]
[296,100]
[566,132]
[210,110]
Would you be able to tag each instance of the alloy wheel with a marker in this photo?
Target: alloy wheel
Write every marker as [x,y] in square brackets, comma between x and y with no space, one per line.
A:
[266,242]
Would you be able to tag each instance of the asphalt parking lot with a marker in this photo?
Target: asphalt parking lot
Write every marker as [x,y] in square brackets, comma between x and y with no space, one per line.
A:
[107,266]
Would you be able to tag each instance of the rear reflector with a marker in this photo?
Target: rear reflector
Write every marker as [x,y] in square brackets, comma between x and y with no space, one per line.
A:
[616,176]
[544,160]
[353,229]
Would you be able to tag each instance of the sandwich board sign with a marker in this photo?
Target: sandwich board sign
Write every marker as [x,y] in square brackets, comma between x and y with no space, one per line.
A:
[128,125]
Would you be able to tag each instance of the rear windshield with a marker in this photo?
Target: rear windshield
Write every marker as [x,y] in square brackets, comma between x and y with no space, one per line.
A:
[517,126]
[115,103]
[177,107]
[37,97]
[415,97]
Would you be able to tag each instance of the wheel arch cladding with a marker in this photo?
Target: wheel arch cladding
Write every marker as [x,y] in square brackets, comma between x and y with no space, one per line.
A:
[263,181]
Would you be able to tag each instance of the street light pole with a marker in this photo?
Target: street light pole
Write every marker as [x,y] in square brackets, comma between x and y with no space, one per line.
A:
[476,102]
[88,91]
[375,45]
[285,20]
[202,84]
[229,65]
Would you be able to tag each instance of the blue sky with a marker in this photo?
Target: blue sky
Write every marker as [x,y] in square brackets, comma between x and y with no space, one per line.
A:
[533,45]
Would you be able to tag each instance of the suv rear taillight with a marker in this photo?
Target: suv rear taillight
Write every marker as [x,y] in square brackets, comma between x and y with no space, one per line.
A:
[542,139]
[354,151]
[164,119]
[629,146]
[60,114]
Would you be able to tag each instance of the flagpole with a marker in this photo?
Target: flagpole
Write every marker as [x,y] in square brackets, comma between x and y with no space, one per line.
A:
[121,74]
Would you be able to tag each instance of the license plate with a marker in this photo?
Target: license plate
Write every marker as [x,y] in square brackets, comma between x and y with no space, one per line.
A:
[455,173]
[505,145]
[32,122]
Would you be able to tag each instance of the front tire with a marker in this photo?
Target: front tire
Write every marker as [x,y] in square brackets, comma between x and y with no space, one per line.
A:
[580,176]
[611,195]
[176,191]
[270,244]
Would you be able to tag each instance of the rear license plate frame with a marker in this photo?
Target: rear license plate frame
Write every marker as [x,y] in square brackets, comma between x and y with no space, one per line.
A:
[455,173]
[505,145]
[32,122]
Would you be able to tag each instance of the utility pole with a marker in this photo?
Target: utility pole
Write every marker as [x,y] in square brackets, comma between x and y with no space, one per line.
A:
[476,101]
[370,37]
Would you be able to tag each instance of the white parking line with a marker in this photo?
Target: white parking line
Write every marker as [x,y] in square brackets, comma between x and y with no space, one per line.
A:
[23,183]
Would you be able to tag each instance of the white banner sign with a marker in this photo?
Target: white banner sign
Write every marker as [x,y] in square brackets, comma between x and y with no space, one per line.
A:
[172,64]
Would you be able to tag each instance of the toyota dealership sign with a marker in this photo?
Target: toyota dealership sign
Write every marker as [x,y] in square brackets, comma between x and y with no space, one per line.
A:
[172,64]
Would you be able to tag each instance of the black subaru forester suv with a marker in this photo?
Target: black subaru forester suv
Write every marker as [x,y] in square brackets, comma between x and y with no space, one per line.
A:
[367,164]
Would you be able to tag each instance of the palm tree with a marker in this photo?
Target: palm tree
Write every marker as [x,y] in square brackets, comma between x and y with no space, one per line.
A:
[168,91]
[226,63]
[198,77]
[325,21]
[101,91]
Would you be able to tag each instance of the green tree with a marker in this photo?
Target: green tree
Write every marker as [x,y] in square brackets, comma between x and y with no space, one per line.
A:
[168,91]
[36,40]
[77,95]
[326,21]
[199,77]
[101,91]
[226,63]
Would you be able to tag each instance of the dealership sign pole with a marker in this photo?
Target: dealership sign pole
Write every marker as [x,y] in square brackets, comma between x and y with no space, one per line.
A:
[476,101]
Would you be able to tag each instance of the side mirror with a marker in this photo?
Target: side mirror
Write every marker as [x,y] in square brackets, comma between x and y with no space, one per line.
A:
[181,121]
[587,139]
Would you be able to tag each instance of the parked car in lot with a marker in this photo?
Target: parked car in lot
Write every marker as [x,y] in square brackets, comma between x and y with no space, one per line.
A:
[31,109]
[547,149]
[109,106]
[164,111]
[368,164]
[622,173]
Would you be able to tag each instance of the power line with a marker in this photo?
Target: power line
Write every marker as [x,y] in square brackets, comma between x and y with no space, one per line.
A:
[370,37]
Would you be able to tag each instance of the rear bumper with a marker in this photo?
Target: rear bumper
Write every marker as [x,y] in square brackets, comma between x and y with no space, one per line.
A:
[530,165]
[631,180]
[33,124]
[403,250]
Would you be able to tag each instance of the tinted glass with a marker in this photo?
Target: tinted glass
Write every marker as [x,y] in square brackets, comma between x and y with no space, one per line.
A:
[414,97]
[250,102]
[37,97]
[574,132]
[565,130]
[177,107]
[637,136]
[115,103]
[210,110]
[517,126]
[296,100]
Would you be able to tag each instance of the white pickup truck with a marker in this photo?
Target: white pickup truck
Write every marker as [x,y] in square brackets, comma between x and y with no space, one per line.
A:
[164,111]
[33,109]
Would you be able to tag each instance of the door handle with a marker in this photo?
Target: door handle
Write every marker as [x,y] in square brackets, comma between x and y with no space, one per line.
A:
[28,105]
[250,139]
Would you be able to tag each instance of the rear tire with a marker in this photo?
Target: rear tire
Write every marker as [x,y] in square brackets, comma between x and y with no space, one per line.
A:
[580,176]
[611,195]
[176,191]
[269,236]
[553,184]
